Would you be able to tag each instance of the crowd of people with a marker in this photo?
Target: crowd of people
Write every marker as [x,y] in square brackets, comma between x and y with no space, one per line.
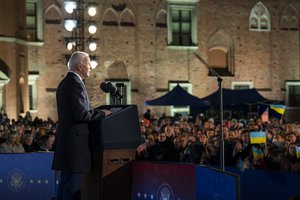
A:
[26,135]
[198,140]
[180,139]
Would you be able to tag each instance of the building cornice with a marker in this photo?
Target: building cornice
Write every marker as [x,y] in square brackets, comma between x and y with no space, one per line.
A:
[20,41]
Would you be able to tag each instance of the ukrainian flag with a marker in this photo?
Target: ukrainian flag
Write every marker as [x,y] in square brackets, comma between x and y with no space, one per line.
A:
[258,137]
[278,108]
[298,152]
[257,153]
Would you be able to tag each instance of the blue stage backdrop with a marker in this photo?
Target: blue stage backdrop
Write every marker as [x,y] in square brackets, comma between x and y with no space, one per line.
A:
[26,176]
[177,181]
[216,184]
[263,185]
[161,181]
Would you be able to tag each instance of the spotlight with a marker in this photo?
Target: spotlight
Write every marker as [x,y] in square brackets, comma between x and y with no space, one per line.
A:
[92,11]
[94,63]
[92,46]
[71,45]
[92,29]
[70,24]
[70,6]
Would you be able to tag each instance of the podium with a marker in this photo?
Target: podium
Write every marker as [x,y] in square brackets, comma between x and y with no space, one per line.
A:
[113,140]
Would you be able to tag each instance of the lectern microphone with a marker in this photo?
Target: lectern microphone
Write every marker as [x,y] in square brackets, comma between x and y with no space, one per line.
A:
[108,87]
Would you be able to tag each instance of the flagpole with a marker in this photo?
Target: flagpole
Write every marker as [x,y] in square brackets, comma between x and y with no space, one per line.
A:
[219,79]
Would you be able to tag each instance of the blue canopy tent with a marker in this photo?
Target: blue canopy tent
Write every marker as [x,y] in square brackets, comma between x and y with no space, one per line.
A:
[232,100]
[242,101]
[234,97]
[176,97]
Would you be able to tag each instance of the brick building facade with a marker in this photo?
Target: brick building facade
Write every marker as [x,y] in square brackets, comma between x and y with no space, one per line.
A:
[149,46]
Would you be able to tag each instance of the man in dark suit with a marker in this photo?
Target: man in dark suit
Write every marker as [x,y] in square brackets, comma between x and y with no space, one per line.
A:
[45,143]
[72,153]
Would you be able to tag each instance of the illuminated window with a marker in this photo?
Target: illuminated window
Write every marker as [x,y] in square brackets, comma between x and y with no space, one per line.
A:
[183,110]
[34,20]
[221,53]
[32,84]
[293,93]
[241,85]
[126,92]
[182,23]
[218,58]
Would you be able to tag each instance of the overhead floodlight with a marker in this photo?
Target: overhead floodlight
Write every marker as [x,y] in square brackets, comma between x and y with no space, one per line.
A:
[94,63]
[92,29]
[70,24]
[71,45]
[92,11]
[92,46]
[70,6]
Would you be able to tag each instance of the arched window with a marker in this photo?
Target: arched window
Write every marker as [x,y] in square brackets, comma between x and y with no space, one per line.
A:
[259,19]
[218,58]
[289,18]
[127,18]
[220,53]
[161,19]
[110,18]
[117,74]
[53,15]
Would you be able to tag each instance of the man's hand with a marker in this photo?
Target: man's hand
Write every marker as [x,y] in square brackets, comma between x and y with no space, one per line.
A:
[107,112]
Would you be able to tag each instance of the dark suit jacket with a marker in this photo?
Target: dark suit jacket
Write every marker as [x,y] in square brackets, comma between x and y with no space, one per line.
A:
[72,151]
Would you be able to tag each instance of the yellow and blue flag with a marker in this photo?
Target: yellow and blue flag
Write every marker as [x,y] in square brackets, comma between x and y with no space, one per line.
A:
[257,153]
[298,152]
[278,108]
[258,137]
[242,165]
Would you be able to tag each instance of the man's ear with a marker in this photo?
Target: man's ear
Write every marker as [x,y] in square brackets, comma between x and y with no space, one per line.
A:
[79,68]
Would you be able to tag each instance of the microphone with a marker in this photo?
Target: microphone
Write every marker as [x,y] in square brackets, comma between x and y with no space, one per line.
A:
[111,88]
[103,87]
[108,87]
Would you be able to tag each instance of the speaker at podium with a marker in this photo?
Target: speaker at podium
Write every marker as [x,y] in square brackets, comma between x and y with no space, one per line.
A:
[114,140]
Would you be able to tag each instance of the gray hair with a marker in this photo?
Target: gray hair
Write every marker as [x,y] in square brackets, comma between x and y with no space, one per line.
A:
[76,58]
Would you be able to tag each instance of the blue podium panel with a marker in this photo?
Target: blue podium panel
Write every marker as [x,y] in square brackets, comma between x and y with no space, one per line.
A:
[27,176]
[216,184]
[163,181]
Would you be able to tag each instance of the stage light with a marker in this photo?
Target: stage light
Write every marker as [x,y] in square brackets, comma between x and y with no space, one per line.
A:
[92,29]
[94,63]
[70,6]
[71,45]
[92,46]
[92,11]
[70,24]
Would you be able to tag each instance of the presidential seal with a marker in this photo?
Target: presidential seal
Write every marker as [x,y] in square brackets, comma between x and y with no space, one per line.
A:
[16,180]
[165,192]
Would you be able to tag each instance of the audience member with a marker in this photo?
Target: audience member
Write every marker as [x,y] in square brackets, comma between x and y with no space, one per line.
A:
[28,144]
[45,142]
[12,145]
